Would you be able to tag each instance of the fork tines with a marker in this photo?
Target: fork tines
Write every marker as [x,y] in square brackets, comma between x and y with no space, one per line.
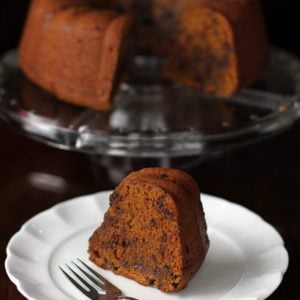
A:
[88,282]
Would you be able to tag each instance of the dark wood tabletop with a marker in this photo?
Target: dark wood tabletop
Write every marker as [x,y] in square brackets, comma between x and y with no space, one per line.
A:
[263,177]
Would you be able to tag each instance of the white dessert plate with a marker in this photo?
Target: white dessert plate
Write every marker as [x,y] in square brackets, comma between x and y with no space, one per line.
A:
[246,259]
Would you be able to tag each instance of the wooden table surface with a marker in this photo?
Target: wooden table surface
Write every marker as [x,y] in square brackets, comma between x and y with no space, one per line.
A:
[263,177]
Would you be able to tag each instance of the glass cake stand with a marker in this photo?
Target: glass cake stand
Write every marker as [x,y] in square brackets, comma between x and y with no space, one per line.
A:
[153,118]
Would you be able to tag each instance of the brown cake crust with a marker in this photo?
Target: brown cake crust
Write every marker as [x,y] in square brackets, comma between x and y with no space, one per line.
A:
[154,231]
[73,49]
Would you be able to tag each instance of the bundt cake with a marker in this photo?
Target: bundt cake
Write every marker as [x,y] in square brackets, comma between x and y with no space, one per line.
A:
[154,230]
[218,46]
[74,48]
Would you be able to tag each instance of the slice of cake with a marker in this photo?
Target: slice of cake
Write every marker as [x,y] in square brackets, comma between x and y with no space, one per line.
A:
[154,230]
[74,50]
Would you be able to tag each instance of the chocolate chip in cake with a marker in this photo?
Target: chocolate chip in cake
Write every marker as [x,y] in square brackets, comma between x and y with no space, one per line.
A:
[114,197]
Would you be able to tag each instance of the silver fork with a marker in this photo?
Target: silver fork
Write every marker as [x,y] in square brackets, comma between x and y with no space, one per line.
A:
[106,291]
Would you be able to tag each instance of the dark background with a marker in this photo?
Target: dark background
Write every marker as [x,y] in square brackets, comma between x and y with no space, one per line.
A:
[282,21]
